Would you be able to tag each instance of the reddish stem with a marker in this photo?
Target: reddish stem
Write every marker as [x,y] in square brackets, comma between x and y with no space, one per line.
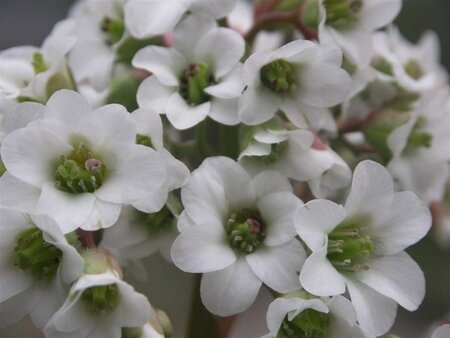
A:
[225,326]
[86,238]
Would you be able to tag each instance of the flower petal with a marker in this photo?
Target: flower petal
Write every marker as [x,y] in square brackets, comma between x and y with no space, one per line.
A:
[153,94]
[257,105]
[182,115]
[68,107]
[17,194]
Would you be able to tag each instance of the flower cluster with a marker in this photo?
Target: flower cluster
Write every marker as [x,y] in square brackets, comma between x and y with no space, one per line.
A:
[281,144]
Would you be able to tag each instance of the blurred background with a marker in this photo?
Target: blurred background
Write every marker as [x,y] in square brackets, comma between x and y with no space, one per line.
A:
[28,22]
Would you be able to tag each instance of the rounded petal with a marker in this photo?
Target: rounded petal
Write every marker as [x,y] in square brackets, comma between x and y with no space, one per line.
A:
[104,214]
[203,248]
[212,8]
[378,13]
[153,94]
[319,277]
[316,219]
[182,115]
[148,122]
[17,307]
[134,308]
[278,267]
[230,291]
[268,182]
[230,86]
[225,111]
[68,107]
[257,105]
[17,194]
[442,332]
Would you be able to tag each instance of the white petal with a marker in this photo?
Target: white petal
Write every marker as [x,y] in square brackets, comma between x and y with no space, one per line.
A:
[154,95]
[371,186]
[29,154]
[343,309]
[230,291]
[134,308]
[177,172]
[104,214]
[323,85]
[17,194]
[221,49]
[16,308]
[149,123]
[268,182]
[149,18]
[68,107]
[20,116]
[378,13]
[257,105]
[316,219]
[319,277]
[166,64]
[183,116]
[278,267]
[69,210]
[212,8]
[375,312]
[51,297]
[397,277]
[225,111]
[230,86]
[442,332]
[339,329]
[203,248]
[277,211]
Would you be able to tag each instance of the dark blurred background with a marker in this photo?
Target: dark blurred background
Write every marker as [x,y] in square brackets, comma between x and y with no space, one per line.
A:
[28,22]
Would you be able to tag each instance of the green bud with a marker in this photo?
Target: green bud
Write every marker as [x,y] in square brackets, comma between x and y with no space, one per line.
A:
[113,29]
[311,14]
[38,63]
[96,261]
[279,76]
[101,298]
[144,140]
[342,14]
[308,323]
[33,254]
[132,332]
[246,230]
[195,79]
[419,139]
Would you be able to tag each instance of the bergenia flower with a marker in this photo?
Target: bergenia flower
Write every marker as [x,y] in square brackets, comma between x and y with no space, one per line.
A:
[80,165]
[326,317]
[155,17]
[195,78]
[239,233]
[37,263]
[301,78]
[361,247]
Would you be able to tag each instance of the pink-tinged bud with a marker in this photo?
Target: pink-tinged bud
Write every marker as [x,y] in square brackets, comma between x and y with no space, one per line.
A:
[92,164]
[318,144]
[168,39]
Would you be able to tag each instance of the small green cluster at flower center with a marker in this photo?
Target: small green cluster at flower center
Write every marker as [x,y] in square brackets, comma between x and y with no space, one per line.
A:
[132,332]
[38,62]
[144,140]
[157,222]
[194,80]
[413,69]
[279,76]
[32,253]
[349,246]
[342,14]
[308,324]
[79,172]
[101,298]
[276,150]
[113,29]
[246,230]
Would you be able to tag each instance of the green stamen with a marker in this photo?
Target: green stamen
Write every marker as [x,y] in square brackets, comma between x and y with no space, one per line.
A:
[79,172]
[245,230]
[279,76]
[101,298]
[113,29]
[308,324]
[342,14]
[38,63]
[194,80]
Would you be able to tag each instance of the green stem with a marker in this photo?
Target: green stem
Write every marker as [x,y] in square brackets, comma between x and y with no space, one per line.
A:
[202,324]
[201,139]
[229,141]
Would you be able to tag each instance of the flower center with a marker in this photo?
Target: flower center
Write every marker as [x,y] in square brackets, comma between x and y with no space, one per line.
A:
[279,76]
[32,253]
[308,324]
[194,80]
[342,14]
[79,172]
[113,29]
[101,298]
[144,140]
[157,222]
[413,69]
[349,246]
[132,332]
[245,230]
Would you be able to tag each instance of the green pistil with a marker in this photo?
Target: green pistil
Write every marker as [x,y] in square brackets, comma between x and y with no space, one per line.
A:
[383,66]
[194,80]
[308,324]
[79,172]
[276,150]
[349,246]
[279,76]
[132,332]
[38,63]
[144,140]
[413,69]
[113,29]
[342,14]
[156,222]
[101,298]
[245,230]
[35,255]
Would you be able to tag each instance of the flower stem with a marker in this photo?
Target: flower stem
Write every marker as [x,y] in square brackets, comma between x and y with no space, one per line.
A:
[229,141]
[86,238]
[202,324]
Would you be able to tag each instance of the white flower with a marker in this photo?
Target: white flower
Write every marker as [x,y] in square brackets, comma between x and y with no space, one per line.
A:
[350,24]
[99,305]
[239,232]
[30,73]
[327,317]
[360,246]
[199,77]
[80,166]
[154,17]
[415,67]
[301,78]
[36,261]
[297,154]
[442,332]
[420,148]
